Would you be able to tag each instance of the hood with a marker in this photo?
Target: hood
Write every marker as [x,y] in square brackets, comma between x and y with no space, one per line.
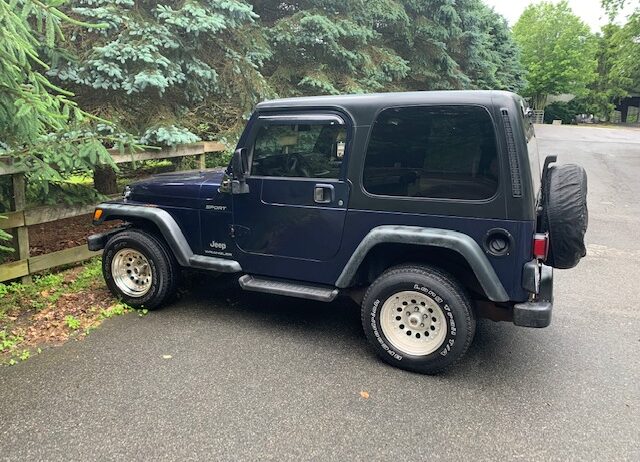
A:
[173,188]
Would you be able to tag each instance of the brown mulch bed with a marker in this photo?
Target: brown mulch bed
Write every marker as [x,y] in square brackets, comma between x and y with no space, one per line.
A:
[52,310]
[63,234]
[48,326]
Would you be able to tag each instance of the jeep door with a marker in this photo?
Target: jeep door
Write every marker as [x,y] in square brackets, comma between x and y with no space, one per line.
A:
[296,205]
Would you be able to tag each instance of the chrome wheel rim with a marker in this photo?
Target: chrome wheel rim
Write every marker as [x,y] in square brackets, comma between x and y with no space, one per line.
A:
[131,272]
[413,323]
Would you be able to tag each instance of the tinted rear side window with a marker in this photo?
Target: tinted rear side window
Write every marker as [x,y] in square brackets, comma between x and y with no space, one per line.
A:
[532,147]
[446,152]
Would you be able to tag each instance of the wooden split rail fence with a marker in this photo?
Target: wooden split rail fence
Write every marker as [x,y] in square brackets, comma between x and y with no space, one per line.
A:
[20,218]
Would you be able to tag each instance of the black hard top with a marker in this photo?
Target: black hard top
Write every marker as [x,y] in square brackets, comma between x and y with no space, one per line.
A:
[363,107]
[363,110]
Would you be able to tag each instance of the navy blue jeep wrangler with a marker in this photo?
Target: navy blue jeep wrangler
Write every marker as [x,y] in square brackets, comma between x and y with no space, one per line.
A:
[429,208]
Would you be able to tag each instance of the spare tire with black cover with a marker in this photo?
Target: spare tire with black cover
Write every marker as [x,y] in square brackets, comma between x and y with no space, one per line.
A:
[565,216]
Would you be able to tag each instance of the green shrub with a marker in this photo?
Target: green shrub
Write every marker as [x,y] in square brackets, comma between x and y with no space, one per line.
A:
[565,111]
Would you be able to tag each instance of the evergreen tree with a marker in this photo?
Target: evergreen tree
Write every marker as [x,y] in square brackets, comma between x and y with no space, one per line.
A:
[425,43]
[456,44]
[486,52]
[168,71]
[174,72]
[41,127]
[328,47]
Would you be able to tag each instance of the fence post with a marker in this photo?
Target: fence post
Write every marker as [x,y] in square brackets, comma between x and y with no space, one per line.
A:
[538,117]
[19,219]
[19,203]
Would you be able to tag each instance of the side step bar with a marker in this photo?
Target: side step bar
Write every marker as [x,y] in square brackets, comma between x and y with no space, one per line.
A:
[290,288]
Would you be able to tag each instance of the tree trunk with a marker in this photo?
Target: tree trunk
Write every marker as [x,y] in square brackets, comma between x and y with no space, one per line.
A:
[539,102]
[104,180]
[624,112]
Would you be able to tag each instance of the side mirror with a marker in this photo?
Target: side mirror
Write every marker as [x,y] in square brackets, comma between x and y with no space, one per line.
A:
[239,165]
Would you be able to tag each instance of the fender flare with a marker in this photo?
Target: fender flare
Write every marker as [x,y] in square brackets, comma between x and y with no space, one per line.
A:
[171,233]
[433,237]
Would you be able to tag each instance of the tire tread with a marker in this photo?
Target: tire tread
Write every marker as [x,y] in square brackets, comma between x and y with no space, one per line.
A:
[165,263]
[440,277]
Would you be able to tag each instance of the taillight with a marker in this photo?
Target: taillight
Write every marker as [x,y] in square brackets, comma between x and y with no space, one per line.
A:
[541,245]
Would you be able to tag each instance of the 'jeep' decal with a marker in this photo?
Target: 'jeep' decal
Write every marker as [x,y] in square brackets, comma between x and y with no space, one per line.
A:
[218,245]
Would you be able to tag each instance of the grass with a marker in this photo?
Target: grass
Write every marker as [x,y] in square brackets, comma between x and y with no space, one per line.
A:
[72,322]
[56,307]
[47,288]
[88,277]
[35,296]
[84,179]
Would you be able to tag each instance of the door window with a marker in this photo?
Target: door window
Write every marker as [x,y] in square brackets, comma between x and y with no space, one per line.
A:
[432,151]
[306,149]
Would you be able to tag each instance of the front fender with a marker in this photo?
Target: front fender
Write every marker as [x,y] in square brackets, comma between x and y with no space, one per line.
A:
[434,237]
[170,231]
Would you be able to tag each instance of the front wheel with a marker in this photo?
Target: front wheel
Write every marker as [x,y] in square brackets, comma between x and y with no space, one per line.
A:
[139,269]
[418,318]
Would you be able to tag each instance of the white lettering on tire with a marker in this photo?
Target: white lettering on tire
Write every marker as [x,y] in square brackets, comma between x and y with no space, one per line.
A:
[374,327]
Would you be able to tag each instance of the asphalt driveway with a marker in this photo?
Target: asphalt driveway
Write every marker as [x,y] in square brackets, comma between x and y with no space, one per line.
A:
[258,377]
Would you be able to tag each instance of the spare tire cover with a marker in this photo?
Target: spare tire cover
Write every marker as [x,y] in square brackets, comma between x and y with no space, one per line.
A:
[565,214]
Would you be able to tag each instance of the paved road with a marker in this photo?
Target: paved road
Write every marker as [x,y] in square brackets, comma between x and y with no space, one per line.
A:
[260,377]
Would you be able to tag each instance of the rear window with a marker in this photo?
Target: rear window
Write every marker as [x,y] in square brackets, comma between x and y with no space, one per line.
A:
[532,147]
[446,152]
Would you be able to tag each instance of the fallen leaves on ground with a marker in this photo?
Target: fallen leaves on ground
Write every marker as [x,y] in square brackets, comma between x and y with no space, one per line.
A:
[34,318]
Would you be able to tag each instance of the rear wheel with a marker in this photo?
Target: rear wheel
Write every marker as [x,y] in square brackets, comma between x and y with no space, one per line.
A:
[418,318]
[139,269]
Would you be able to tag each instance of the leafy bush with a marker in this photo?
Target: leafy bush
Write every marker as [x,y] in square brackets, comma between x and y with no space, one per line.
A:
[565,111]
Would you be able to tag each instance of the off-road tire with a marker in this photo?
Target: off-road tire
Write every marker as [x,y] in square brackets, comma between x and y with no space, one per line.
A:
[443,290]
[164,269]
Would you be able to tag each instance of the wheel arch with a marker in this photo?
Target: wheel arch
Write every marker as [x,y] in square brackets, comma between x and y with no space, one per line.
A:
[454,252]
[160,223]
[155,221]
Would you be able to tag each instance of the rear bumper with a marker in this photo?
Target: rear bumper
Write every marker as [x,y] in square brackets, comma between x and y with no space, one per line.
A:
[537,313]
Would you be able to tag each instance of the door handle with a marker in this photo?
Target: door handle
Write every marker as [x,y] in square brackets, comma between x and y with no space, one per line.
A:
[323,194]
